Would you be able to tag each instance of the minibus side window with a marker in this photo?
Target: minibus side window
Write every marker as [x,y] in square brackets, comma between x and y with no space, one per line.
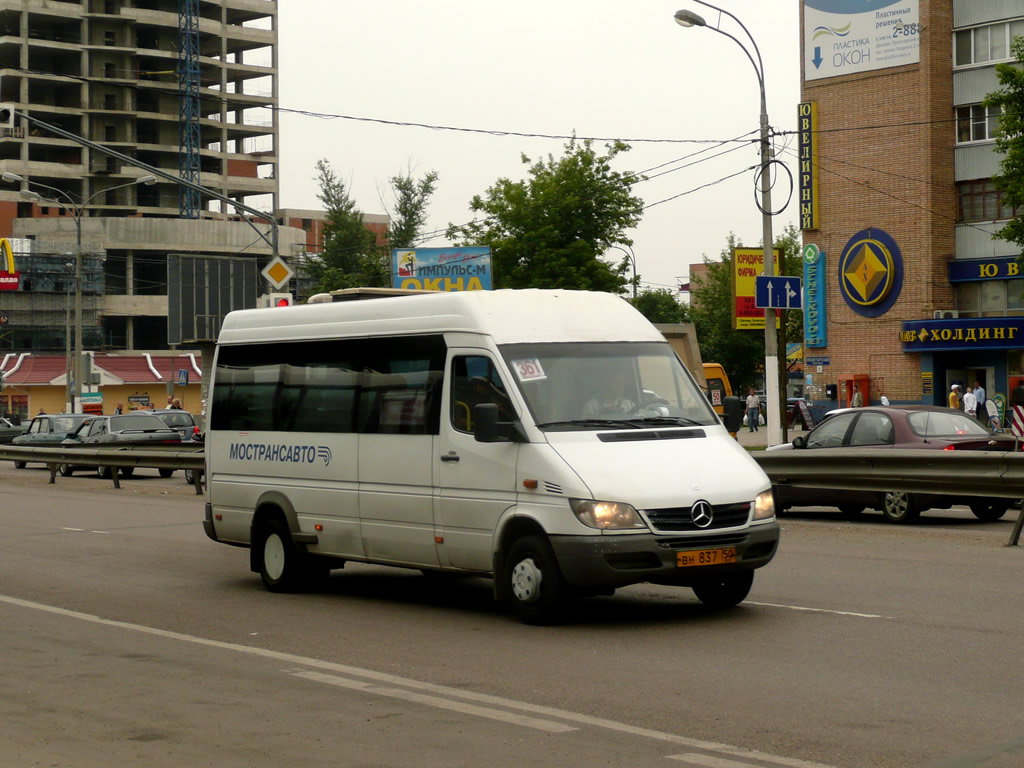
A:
[475,380]
[335,385]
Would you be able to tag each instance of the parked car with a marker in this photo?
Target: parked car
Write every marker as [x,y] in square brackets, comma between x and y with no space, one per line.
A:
[9,430]
[183,423]
[129,429]
[48,429]
[910,426]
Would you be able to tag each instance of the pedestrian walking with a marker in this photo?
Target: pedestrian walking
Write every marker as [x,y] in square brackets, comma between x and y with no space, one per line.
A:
[970,403]
[858,398]
[885,400]
[954,396]
[753,410]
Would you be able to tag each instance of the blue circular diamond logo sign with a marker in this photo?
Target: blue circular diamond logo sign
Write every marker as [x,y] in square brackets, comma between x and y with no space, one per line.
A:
[871,272]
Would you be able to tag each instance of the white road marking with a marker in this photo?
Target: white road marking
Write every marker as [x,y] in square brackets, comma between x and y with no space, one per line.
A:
[710,761]
[74,529]
[819,610]
[441,690]
[101,533]
[434,701]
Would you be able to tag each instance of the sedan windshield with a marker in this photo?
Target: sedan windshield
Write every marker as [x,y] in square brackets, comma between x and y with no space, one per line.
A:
[604,385]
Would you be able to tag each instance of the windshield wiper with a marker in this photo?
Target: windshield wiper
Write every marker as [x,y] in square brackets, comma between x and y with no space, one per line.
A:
[679,420]
[585,423]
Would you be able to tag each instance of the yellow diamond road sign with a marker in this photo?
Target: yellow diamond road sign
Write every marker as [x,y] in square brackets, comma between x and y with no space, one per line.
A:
[277,272]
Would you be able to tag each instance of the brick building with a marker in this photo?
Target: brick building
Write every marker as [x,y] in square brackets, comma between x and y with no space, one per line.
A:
[896,159]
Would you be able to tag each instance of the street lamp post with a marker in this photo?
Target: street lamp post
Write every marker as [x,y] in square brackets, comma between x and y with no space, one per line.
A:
[632,260]
[76,209]
[773,408]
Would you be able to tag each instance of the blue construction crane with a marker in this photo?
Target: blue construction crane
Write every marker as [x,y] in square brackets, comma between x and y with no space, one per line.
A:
[188,106]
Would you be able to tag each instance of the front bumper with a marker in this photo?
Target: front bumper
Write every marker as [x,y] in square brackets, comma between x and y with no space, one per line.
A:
[620,560]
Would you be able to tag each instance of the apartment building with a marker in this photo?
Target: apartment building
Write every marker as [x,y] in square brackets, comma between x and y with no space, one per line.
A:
[896,158]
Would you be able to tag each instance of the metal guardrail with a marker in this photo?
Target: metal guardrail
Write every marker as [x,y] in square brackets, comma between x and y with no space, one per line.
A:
[959,473]
[165,457]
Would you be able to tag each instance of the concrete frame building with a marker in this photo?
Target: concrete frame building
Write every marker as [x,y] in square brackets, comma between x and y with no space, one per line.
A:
[107,70]
[896,159]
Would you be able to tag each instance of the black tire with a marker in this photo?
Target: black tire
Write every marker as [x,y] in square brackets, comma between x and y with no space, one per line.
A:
[189,477]
[534,583]
[103,473]
[166,472]
[900,507]
[724,591]
[282,565]
[66,470]
[127,471]
[989,509]
[19,465]
[851,510]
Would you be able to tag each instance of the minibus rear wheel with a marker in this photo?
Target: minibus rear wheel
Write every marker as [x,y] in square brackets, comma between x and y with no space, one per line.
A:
[281,563]
[724,591]
[535,586]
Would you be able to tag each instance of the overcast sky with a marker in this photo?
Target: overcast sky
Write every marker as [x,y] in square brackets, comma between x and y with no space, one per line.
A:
[602,68]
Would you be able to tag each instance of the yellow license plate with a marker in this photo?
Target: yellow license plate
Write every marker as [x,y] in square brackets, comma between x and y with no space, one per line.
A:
[706,557]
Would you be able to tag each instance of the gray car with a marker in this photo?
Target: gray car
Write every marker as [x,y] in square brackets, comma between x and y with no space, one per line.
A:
[48,430]
[140,429]
[9,430]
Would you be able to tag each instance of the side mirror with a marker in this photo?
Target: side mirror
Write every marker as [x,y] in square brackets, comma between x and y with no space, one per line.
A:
[487,428]
[485,422]
[800,441]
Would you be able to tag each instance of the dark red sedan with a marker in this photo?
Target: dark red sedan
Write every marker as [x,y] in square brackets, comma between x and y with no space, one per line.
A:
[910,426]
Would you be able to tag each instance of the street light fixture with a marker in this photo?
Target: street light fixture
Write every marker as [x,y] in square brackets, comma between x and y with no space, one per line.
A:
[76,209]
[773,409]
[632,260]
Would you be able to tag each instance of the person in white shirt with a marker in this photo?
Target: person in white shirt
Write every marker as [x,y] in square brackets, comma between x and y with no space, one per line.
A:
[982,409]
[970,403]
[885,400]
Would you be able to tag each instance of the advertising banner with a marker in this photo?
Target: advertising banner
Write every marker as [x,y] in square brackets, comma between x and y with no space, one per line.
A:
[842,37]
[441,269]
[815,313]
[10,278]
[747,264]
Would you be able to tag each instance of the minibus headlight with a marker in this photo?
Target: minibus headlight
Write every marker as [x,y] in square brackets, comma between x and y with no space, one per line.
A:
[764,506]
[606,514]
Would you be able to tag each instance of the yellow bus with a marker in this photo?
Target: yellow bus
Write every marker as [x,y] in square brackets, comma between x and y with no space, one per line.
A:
[718,385]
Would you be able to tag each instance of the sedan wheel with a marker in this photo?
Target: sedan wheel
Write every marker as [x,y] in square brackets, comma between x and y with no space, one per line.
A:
[900,507]
[66,470]
[989,509]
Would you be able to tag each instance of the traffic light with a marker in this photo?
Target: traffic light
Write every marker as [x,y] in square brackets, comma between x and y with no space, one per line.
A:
[6,115]
[276,300]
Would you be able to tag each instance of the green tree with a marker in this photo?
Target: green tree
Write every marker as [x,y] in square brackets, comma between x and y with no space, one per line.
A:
[549,230]
[409,213]
[740,352]
[661,306]
[1010,140]
[350,257]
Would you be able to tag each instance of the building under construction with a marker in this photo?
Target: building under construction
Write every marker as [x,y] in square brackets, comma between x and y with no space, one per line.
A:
[186,87]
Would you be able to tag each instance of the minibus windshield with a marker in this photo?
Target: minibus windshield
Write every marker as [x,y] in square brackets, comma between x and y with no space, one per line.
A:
[602,385]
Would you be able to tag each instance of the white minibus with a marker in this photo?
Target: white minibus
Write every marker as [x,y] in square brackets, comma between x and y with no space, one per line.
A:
[550,440]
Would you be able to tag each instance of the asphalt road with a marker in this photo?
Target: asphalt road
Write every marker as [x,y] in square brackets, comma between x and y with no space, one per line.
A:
[131,639]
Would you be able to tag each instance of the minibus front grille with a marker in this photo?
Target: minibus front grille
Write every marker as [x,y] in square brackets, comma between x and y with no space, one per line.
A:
[680,518]
[630,436]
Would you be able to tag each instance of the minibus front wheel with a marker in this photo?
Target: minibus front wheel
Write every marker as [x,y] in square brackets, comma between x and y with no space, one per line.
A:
[535,586]
[724,591]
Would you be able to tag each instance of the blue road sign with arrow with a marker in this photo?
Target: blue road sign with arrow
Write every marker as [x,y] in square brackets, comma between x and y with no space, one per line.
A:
[778,292]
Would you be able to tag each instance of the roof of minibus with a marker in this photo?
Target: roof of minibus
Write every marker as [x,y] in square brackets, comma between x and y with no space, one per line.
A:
[507,316]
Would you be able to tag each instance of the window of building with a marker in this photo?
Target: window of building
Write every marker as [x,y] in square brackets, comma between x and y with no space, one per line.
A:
[976,122]
[981,45]
[990,298]
[981,201]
